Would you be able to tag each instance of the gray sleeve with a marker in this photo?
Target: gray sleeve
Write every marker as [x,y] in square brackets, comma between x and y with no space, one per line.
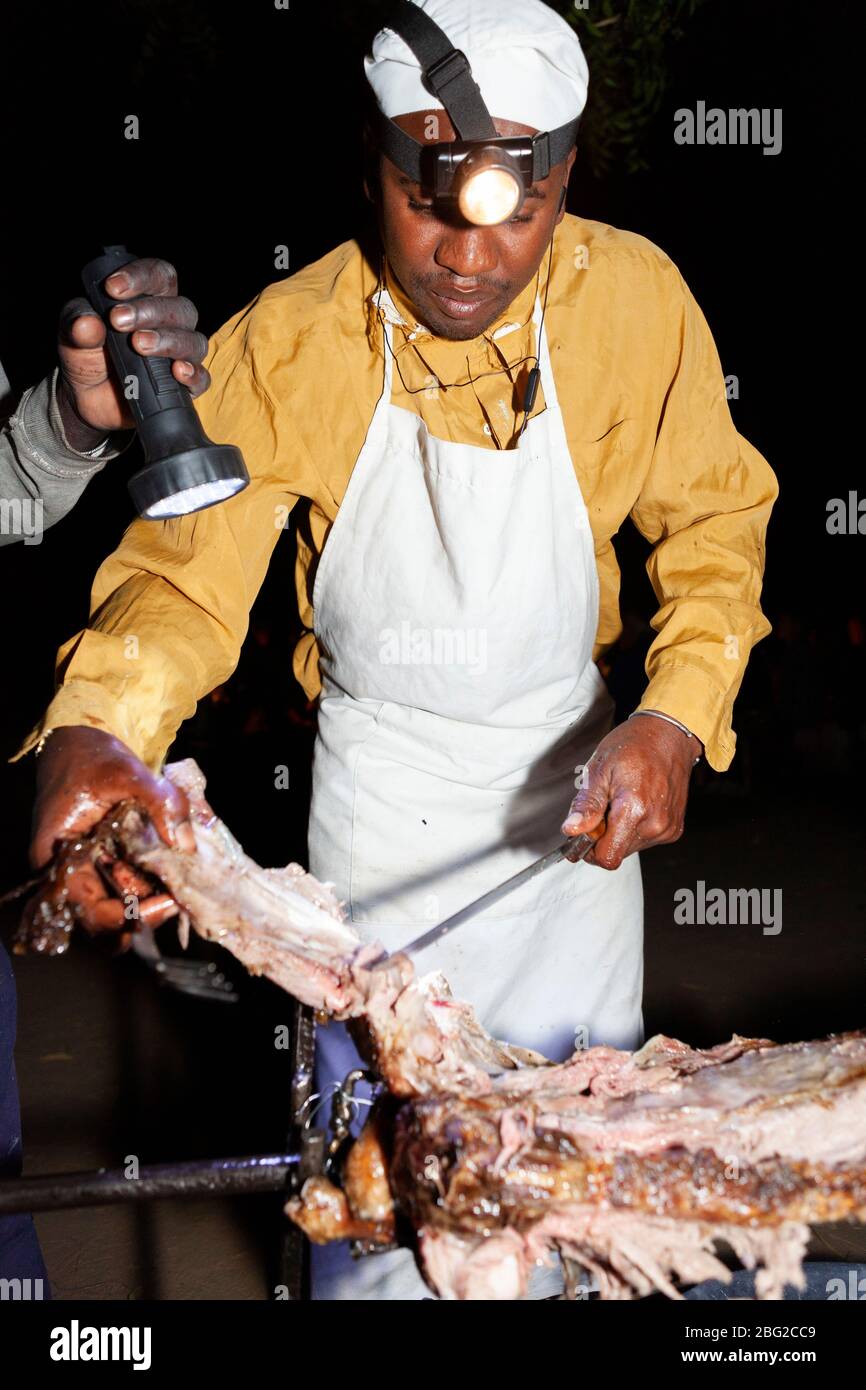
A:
[41,475]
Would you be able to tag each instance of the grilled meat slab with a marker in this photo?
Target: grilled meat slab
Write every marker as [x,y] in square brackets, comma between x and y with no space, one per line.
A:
[636,1165]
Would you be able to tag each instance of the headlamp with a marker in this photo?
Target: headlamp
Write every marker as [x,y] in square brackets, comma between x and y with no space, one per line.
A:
[483,175]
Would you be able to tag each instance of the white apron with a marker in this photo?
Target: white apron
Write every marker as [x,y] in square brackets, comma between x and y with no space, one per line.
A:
[456,606]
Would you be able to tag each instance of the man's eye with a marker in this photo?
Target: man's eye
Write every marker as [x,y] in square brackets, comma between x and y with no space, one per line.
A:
[428,207]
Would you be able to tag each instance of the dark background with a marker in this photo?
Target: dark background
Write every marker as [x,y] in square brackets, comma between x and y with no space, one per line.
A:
[249,139]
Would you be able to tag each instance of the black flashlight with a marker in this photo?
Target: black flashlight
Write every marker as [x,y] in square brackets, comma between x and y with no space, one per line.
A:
[184,471]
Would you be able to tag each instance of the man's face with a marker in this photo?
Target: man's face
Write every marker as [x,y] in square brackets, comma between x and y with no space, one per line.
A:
[461,277]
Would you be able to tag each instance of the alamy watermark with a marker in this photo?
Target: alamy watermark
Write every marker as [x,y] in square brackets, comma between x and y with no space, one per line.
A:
[853,1289]
[438,646]
[736,126]
[729,907]
[846,516]
[77,1343]
[21,1290]
[22,516]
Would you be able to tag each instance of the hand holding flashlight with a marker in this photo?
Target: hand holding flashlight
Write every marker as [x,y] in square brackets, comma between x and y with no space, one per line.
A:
[160,323]
[184,471]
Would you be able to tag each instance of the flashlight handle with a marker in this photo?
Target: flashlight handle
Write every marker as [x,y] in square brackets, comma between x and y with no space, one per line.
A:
[161,406]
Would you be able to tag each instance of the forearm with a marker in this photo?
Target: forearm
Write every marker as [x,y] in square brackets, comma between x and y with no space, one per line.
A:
[170,610]
[44,466]
[708,579]
[170,607]
[139,671]
[704,505]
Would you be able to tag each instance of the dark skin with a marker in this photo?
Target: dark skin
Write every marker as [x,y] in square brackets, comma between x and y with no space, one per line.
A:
[460,278]
[161,323]
[82,774]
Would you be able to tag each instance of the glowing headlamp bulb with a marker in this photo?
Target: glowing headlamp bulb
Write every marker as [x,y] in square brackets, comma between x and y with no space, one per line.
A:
[489,187]
[490,196]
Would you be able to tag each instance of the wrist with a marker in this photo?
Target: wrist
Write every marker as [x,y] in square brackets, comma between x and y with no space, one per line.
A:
[57,740]
[80,436]
[693,743]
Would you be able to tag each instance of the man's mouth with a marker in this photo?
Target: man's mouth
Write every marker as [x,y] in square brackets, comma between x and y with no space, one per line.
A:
[461,304]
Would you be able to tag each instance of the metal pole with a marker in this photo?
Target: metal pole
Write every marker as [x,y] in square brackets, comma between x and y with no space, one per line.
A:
[211,1178]
[310,1144]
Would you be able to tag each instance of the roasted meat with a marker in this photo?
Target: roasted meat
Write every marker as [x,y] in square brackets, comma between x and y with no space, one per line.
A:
[284,924]
[633,1166]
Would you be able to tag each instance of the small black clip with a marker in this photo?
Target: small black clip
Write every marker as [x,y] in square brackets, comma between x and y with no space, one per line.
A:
[531,389]
[439,74]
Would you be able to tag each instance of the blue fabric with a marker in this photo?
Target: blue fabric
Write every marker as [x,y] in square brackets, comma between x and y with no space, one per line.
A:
[20,1255]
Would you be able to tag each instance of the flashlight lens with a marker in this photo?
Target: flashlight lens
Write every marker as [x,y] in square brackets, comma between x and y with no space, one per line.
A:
[194,499]
[490,196]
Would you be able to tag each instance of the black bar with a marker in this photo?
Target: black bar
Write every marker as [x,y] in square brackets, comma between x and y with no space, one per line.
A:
[294,1258]
[213,1178]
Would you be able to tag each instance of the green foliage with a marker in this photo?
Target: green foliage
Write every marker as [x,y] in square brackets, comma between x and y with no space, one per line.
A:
[627,45]
[175,40]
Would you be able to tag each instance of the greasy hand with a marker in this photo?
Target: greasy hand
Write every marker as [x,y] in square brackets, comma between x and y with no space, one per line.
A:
[161,324]
[82,773]
[639,777]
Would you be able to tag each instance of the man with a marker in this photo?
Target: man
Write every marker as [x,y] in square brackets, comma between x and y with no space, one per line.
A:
[455,570]
[56,440]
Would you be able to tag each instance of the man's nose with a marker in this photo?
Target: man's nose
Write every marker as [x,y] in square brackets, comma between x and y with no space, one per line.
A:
[467,252]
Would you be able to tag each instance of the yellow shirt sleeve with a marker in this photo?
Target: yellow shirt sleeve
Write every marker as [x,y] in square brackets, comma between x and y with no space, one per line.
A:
[295,379]
[705,504]
[170,607]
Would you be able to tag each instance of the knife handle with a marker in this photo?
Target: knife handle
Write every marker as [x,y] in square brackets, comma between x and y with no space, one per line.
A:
[581,844]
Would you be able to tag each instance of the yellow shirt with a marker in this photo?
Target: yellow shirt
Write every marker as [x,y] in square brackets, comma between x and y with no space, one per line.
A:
[296,377]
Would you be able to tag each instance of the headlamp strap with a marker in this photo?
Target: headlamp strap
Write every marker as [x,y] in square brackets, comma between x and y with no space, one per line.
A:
[446,70]
[550,147]
[448,76]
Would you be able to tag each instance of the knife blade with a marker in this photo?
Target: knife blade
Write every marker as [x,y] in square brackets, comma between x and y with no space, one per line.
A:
[574,849]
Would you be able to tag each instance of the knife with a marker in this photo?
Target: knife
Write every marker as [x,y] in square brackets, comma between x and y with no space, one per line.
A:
[573,849]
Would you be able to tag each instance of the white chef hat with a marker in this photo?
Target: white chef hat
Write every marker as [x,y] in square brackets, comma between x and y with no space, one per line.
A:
[526,59]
